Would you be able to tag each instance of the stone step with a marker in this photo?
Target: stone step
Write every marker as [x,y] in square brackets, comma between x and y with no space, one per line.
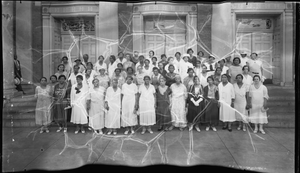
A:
[25,98]
[280,87]
[20,104]
[19,123]
[288,104]
[283,123]
[24,109]
[282,98]
[22,116]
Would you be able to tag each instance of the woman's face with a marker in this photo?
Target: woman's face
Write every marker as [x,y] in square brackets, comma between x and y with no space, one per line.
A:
[115,83]
[130,71]
[256,79]
[151,54]
[171,60]
[162,82]
[89,66]
[197,80]
[101,58]
[61,80]
[154,60]
[89,71]
[239,79]
[178,80]
[204,69]
[219,71]
[141,59]
[147,81]
[147,63]
[160,66]
[224,79]
[210,81]
[129,81]
[246,70]
[221,63]
[111,59]
[43,81]
[191,73]
[53,79]
[128,57]
[236,62]
[76,69]
[171,69]
[185,58]
[96,83]
[211,59]
[190,52]
[79,81]
[121,55]
[140,70]
[198,64]
[155,72]
[102,71]
[117,72]
[61,68]
[65,60]
[177,55]
[119,66]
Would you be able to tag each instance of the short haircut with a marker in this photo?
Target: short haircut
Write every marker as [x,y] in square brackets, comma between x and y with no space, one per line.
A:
[190,69]
[90,63]
[95,80]
[210,77]
[236,58]
[190,49]
[200,52]
[239,75]
[118,69]
[163,55]
[129,77]
[152,52]
[218,68]
[225,76]
[64,57]
[155,68]
[170,58]
[141,56]
[60,76]
[61,65]
[113,57]
[177,53]
[119,64]
[254,53]
[120,53]
[53,76]
[256,76]
[147,77]
[245,67]
[171,65]
[147,60]
[221,61]
[154,58]
[101,57]
[43,78]
[79,77]
[76,66]
[129,68]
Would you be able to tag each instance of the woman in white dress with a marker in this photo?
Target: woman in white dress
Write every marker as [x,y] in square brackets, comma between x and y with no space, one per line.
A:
[241,96]
[258,96]
[226,99]
[155,77]
[112,65]
[184,66]
[140,76]
[61,70]
[79,94]
[235,69]
[189,80]
[100,64]
[247,78]
[103,78]
[203,76]
[129,105]
[255,66]
[178,104]
[147,105]
[147,69]
[171,62]
[96,104]
[42,111]
[89,78]
[73,75]
[113,106]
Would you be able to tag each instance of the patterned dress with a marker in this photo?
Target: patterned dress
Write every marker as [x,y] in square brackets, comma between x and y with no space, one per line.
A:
[211,94]
[178,103]
[96,112]
[42,111]
[163,114]
[61,101]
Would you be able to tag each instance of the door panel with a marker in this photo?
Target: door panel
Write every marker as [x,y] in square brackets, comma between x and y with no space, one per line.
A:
[243,42]
[67,41]
[277,52]
[88,46]
[175,43]
[155,42]
[262,45]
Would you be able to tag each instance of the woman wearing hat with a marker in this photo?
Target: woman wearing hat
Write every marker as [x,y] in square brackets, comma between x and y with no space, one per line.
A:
[103,78]
[235,69]
[178,104]
[100,64]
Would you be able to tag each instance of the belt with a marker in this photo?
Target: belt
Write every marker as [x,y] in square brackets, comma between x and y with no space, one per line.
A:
[255,73]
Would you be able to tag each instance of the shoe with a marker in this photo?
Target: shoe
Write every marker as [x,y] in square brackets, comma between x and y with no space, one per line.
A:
[255,131]
[239,128]
[115,133]
[126,132]
[160,128]
[101,133]
[59,129]
[214,129]
[132,131]
[207,128]
[181,129]
[190,128]
[109,132]
[143,132]
[82,131]
[224,127]
[229,129]
[262,131]
[65,130]
[198,129]
[41,131]
[47,131]
[244,129]
[76,131]
[89,128]
[171,128]
[150,131]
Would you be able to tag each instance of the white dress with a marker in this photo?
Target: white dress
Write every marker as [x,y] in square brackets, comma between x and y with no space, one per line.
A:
[78,101]
[203,79]
[247,79]
[72,78]
[128,117]
[148,72]
[113,98]
[178,112]
[97,67]
[255,67]
[146,105]
[240,101]
[226,94]
[183,68]
[42,111]
[111,69]
[96,112]
[257,101]
[176,70]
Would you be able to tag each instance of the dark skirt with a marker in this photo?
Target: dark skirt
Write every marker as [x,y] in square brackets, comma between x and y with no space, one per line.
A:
[58,112]
[163,114]
[194,114]
[212,113]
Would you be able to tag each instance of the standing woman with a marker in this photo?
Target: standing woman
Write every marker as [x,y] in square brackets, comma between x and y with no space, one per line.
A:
[170,76]
[129,105]
[130,72]
[189,80]
[171,62]
[223,67]
[151,54]
[147,105]
[103,78]
[161,69]
[217,76]
[247,78]
[258,96]
[61,97]
[67,65]
[154,62]
[203,76]
[128,63]
[61,70]
[90,66]
[140,76]
[42,111]
[235,69]
[88,78]
[113,107]
[184,66]
[155,77]
[211,94]
[53,82]
[227,95]
[147,69]
[200,57]
[241,96]
[178,104]
[122,73]
[79,93]
[191,58]
[96,101]
[112,65]
[195,105]
[100,64]
[198,68]
[163,104]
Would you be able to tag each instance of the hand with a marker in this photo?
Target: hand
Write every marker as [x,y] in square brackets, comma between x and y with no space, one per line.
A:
[21,79]
[232,105]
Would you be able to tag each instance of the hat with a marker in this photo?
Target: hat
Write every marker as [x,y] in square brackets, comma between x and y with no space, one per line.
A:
[102,68]
[186,55]
[77,59]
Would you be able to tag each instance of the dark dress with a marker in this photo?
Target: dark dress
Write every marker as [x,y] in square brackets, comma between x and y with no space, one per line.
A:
[193,115]
[193,60]
[18,74]
[61,101]
[163,72]
[163,114]
[212,111]
[170,80]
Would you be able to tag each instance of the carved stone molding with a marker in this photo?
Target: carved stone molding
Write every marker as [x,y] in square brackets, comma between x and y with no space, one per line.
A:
[258,6]
[77,25]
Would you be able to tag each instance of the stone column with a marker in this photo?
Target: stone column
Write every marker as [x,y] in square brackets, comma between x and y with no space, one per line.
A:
[289,52]
[191,41]
[138,33]
[108,28]
[8,52]
[221,27]
[46,45]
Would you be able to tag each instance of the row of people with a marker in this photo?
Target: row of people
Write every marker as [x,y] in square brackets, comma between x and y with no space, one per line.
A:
[118,105]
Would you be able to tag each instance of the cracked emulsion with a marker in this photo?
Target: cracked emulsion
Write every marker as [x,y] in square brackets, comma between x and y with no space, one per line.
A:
[159,140]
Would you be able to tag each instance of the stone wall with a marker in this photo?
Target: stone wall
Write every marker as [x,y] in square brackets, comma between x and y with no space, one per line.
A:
[37,42]
[204,18]
[125,28]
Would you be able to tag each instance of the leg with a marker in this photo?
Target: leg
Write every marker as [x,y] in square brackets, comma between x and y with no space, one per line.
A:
[229,126]
[240,125]
[82,128]
[225,125]
[255,128]
[261,129]
[77,128]
[144,130]
[149,129]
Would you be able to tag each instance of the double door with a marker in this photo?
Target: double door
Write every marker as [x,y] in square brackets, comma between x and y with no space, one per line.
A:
[260,43]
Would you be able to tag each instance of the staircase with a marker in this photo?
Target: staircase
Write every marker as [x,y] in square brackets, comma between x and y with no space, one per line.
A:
[281,105]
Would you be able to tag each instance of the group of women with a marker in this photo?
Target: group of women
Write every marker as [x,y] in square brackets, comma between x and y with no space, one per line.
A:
[171,92]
